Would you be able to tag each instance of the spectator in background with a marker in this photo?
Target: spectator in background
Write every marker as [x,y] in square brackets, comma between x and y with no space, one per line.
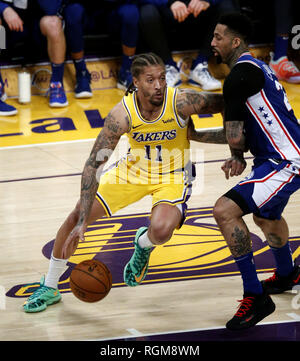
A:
[283,68]
[196,18]
[200,17]
[13,23]
[73,13]
[155,33]
[124,18]
[121,19]
[51,26]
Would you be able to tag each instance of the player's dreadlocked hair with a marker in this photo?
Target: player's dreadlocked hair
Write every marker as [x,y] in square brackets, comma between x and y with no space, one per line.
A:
[138,64]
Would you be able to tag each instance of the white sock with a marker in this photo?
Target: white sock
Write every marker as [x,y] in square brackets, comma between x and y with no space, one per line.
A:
[144,241]
[56,268]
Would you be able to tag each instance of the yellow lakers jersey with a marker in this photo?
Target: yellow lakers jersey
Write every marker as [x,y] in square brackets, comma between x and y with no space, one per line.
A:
[159,145]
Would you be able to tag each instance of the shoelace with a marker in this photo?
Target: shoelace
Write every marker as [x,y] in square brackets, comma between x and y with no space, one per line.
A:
[289,67]
[56,90]
[272,278]
[141,257]
[171,71]
[38,292]
[173,77]
[83,75]
[204,73]
[246,303]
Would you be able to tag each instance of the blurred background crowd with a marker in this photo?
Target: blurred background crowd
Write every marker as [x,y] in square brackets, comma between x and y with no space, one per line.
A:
[58,30]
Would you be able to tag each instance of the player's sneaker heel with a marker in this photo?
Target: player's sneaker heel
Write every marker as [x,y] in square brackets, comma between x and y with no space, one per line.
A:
[279,284]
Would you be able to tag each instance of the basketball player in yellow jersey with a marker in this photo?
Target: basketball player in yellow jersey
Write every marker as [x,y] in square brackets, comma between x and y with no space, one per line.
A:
[155,119]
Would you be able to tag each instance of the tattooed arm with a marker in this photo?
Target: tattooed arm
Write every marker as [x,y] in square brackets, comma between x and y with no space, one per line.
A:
[192,102]
[216,136]
[116,124]
[236,164]
[235,136]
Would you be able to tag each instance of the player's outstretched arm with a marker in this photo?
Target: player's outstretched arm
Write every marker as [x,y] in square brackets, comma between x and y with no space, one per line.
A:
[215,136]
[191,102]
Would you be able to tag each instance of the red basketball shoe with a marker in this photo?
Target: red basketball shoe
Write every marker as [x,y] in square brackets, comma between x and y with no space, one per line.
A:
[284,69]
[279,284]
[253,308]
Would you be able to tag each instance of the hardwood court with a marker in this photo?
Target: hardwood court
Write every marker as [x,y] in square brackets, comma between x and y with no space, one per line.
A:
[192,282]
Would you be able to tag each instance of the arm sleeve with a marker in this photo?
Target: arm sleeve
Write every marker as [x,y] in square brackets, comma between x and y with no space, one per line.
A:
[244,80]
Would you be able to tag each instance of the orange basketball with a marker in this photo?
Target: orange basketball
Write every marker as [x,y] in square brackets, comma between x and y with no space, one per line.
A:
[90,281]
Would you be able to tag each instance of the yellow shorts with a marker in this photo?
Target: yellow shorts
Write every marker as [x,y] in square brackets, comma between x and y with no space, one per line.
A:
[122,185]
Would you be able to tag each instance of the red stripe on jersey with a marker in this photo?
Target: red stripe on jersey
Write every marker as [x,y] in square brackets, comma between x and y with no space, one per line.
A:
[277,190]
[260,180]
[279,122]
[265,129]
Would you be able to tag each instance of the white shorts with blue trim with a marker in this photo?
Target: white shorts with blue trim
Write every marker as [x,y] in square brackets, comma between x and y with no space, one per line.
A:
[266,190]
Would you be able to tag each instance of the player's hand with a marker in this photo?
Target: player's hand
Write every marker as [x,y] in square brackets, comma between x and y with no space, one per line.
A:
[73,239]
[195,7]
[13,20]
[180,11]
[233,166]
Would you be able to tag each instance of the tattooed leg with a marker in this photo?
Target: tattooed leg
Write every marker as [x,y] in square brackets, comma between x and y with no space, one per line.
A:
[277,235]
[239,242]
[275,231]
[229,218]
[228,215]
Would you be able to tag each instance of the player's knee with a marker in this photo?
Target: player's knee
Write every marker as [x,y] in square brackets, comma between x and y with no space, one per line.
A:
[51,26]
[260,222]
[161,231]
[220,212]
[226,210]
[266,225]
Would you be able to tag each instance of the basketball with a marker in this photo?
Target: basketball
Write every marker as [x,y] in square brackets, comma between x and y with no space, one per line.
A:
[90,281]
